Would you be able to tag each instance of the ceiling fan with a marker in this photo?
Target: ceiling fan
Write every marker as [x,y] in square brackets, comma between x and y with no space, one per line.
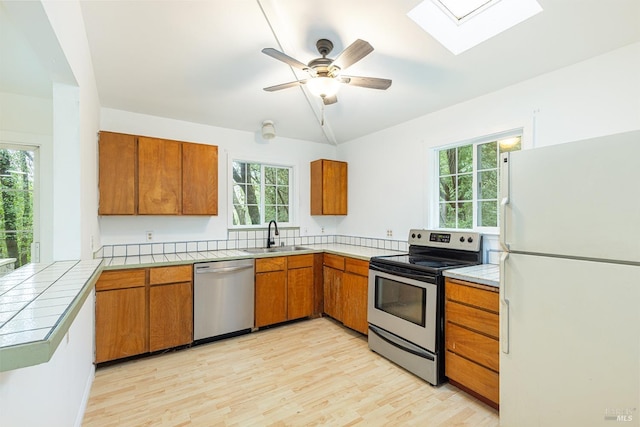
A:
[325,74]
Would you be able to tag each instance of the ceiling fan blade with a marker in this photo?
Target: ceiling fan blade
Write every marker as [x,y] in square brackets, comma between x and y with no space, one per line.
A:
[352,54]
[328,100]
[284,58]
[368,82]
[284,85]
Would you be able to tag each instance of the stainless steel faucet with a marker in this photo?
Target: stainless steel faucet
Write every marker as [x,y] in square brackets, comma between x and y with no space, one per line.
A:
[270,240]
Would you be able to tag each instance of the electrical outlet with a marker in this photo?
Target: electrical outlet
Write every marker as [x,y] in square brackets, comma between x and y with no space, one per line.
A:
[389,233]
[322,230]
[149,236]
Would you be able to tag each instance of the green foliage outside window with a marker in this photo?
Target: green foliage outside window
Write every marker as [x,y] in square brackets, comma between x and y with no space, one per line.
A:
[16,204]
[261,193]
[469,180]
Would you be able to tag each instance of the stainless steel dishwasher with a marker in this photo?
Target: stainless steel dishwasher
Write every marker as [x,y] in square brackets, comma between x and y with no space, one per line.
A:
[223,296]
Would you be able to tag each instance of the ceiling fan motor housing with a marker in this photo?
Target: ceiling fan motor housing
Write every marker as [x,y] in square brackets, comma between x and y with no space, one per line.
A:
[324,47]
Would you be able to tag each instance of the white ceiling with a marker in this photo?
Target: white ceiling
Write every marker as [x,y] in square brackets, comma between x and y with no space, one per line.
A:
[201,61]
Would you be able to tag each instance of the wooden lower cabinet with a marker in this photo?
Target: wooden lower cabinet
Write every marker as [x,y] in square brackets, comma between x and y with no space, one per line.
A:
[355,283]
[121,323]
[143,310]
[345,291]
[472,359]
[300,286]
[284,289]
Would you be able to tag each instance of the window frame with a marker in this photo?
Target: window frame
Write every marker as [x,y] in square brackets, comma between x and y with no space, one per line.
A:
[293,194]
[435,175]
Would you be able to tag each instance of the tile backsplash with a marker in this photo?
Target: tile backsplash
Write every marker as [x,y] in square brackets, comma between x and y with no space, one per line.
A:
[242,239]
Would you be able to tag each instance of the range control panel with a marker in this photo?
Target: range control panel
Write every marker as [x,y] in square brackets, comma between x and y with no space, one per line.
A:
[460,240]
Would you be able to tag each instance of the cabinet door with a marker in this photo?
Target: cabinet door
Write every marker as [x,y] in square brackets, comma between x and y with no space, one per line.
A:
[199,179]
[299,293]
[159,176]
[121,323]
[271,298]
[170,315]
[117,174]
[333,292]
[354,297]
[334,196]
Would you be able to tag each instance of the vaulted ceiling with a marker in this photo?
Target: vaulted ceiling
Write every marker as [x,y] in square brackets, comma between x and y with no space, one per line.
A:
[201,61]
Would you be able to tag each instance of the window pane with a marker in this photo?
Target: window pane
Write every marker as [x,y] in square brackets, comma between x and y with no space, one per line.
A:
[448,215]
[465,187]
[269,176]
[16,204]
[488,156]
[465,159]
[283,176]
[270,194]
[283,196]
[465,215]
[283,214]
[447,159]
[488,184]
[448,188]
[488,214]
[269,213]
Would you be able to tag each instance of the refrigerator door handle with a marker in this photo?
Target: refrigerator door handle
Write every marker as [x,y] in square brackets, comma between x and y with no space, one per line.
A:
[504,306]
[505,184]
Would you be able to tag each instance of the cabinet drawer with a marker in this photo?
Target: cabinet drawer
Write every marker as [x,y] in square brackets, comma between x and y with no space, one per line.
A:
[473,376]
[481,298]
[473,318]
[477,347]
[161,275]
[334,261]
[271,264]
[299,261]
[120,279]
[356,266]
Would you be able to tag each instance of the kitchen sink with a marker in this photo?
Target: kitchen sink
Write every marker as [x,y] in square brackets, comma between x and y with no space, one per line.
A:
[275,249]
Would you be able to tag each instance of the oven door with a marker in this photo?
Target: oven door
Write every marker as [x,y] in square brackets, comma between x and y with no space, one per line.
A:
[406,307]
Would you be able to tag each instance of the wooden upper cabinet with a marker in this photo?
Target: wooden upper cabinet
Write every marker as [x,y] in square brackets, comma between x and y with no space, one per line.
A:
[199,179]
[328,187]
[159,176]
[117,174]
[141,175]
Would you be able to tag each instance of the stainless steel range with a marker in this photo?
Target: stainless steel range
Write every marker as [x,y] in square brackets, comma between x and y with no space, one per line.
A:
[406,299]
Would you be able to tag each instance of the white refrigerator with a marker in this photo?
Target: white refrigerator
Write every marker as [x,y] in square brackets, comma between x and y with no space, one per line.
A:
[570,284]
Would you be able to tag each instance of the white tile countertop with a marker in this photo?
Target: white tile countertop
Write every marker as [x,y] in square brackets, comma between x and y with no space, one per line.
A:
[485,274]
[157,260]
[38,303]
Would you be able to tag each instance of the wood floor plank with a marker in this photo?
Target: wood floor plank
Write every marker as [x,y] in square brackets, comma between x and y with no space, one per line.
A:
[313,372]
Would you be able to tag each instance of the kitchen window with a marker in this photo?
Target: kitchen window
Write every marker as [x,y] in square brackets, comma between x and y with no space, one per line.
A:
[468,181]
[261,193]
[17,168]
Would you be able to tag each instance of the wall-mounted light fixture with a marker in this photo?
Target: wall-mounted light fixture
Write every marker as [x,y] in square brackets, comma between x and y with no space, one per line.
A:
[268,130]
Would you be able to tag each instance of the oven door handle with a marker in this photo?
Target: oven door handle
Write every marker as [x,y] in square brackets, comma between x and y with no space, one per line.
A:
[391,339]
[404,273]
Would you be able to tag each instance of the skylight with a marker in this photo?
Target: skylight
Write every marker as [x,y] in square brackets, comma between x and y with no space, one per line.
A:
[462,24]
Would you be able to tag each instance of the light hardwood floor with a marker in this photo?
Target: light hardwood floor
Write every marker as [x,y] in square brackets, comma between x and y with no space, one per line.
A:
[313,372]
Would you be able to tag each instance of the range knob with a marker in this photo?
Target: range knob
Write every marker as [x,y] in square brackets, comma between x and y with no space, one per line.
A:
[413,235]
[462,239]
[419,236]
[470,239]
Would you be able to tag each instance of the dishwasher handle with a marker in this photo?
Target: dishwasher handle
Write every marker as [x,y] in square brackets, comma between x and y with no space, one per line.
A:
[208,269]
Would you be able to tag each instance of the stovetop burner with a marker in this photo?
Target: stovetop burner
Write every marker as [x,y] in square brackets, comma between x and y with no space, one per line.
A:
[434,251]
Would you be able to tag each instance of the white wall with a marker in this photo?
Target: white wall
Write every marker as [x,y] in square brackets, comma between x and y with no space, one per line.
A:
[76,123]
[246,145]
[55,393]
[390,178]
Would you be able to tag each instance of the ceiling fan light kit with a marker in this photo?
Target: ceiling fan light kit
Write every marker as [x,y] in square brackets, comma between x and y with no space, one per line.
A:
[268,130]
[325,75]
